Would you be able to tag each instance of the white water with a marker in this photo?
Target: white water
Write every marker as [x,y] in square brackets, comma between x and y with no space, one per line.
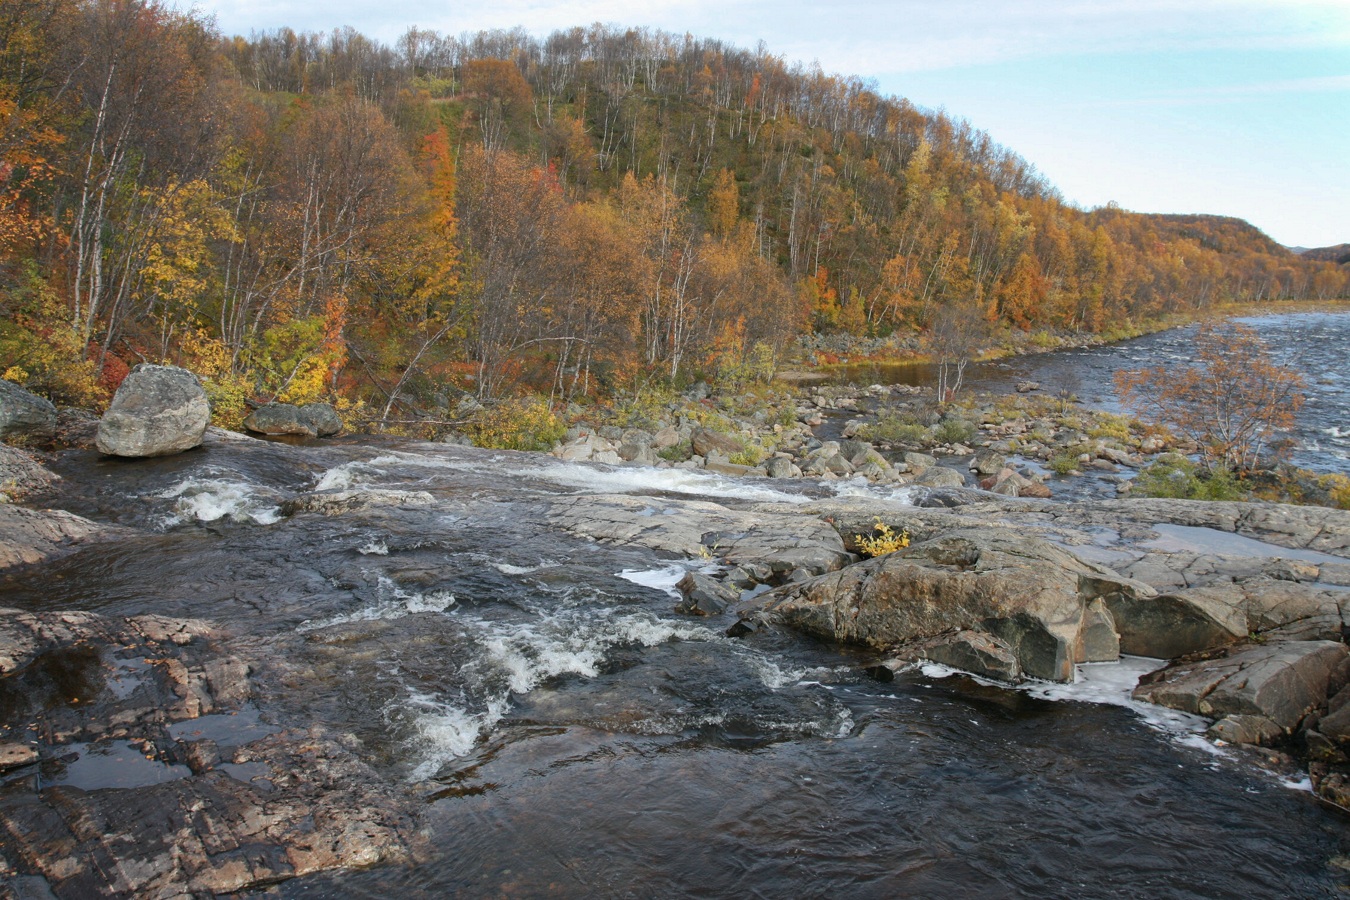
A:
[395,603]
[211,499]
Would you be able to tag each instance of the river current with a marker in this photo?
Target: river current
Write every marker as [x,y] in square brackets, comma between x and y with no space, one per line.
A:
[569,734]
[1315,344]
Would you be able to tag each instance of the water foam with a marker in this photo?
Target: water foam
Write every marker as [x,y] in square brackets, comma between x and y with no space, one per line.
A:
[212,499]
[663,579]
[395,603]
[647,479]
[1110,684]
[513,659]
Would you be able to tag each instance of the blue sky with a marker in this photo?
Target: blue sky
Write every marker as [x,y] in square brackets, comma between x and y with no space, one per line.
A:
[1235,107]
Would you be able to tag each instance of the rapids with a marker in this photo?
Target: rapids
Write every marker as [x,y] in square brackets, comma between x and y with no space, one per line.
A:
[568,734]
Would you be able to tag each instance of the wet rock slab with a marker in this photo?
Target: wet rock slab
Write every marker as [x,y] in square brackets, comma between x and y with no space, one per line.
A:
[1281,682]
[134,764]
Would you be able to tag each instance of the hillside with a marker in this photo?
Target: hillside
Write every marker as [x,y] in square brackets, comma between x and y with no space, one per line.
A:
[301,215]
[1339,254]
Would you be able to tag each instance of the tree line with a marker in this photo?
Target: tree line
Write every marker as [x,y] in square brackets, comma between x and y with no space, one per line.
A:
[295,216]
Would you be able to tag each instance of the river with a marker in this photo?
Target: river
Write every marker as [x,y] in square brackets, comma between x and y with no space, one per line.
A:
[567,734]
[1316,344]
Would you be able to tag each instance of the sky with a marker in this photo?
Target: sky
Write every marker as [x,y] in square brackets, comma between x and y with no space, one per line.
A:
[1233,107]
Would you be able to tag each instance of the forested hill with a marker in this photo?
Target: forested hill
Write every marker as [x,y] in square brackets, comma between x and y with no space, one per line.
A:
[1337,254]
[294,215]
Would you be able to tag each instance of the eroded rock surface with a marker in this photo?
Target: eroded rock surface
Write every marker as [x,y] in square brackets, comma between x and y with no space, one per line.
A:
[34,535]
[1025,593]
[137,766]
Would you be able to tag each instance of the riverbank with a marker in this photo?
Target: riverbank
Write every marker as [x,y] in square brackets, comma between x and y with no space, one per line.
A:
[827,355]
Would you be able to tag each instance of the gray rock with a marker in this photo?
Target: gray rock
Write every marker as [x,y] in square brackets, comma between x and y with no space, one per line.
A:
[323,418]
[987,462]
[310,420]
[25,418]
[941,477]
[76,428]
[970,651]
[21,475]
[1021,590]
[1245,730]
[780,467]
[704,595]
[36,535]
[313,804]
[1177,623]
[919,460]
[157,411]
[706,442]
[1282,681]
[333,503]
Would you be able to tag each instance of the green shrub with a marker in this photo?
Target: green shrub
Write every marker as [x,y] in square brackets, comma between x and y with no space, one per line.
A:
[1065,461]
[1173,475]
[894,429]
[954,431]
[526,423]
[677,452]
[1112,427]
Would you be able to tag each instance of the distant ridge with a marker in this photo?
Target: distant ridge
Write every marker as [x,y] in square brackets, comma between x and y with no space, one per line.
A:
[1339,254]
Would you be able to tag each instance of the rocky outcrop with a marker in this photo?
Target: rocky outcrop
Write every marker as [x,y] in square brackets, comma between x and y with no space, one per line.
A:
[21,475]
[1281,682]
[34,535]
[310,420]
[135,799]
[157,411]
[334,503]
[25,418]
[1024,594]
[773,546]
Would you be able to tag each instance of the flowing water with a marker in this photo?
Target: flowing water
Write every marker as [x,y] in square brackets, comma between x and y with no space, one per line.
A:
[1316,344]
[570,735]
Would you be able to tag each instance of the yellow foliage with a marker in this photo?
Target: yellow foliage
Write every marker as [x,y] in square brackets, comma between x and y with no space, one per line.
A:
[884,539]
[527,423]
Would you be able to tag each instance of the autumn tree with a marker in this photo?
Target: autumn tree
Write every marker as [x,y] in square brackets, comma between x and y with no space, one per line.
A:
[1232,402]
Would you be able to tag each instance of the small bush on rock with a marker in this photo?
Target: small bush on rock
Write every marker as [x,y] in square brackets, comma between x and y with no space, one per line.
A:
[883,539]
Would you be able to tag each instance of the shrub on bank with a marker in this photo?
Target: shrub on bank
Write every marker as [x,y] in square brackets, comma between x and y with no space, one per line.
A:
[524,423]
[1173,475]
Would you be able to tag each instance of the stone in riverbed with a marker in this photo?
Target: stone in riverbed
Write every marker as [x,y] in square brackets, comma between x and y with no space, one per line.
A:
[969,651]
[1023,591]
[707,442]
[25,418]
[1282,681]
[157,411]
[310,420]
[941,477]
[704,595]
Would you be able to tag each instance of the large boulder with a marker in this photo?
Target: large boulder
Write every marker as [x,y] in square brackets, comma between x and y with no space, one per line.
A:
[941,477]
[157,411]
[310,420]
[708,442]
[25,418]
[1280,682]
[1036,600]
